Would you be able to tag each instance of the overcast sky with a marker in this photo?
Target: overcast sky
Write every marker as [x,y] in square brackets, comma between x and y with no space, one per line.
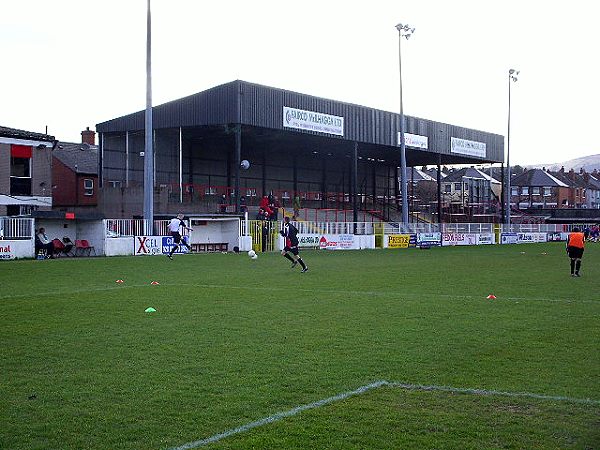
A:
[69,64]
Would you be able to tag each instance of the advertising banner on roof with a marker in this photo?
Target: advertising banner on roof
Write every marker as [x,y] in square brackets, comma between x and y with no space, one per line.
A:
[466,147]
[415,140]
[312,121]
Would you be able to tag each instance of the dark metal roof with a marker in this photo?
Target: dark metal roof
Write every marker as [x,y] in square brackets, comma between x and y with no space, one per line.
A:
[261,107]
[537,177]
[80,158]
[22,134]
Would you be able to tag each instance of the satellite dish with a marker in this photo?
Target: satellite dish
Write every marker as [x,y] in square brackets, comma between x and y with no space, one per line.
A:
[245,164]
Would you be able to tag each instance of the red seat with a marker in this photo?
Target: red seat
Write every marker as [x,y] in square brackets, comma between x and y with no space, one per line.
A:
[82,246]
[59,247]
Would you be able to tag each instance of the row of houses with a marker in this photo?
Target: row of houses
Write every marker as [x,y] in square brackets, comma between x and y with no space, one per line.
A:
[530,190]
[41,173]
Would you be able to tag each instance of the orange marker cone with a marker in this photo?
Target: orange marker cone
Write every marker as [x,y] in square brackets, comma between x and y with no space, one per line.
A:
[119,281]
[491,297]
[155,283]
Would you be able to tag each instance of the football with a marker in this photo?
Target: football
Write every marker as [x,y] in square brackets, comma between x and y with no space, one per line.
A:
[251,253]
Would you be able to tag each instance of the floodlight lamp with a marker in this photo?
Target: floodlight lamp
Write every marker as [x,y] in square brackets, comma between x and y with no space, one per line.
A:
[511,71]
[399,27]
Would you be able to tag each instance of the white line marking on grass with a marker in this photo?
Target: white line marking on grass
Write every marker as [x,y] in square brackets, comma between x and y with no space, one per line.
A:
[71,291]
[275,289]
[386,294]
[488,392]
[279,416]
[375,385]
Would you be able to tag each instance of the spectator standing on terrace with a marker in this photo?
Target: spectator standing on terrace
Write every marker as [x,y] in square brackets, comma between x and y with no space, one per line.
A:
[296,206]
[223,204]
[175,225]
[243,206]
[264,205]
[276,206]
[290,233]
[575,247]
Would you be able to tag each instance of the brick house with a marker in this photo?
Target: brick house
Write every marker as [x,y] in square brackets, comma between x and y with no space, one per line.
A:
[75,173]
[592,192]
[25,172]
[576,194]
[537,188]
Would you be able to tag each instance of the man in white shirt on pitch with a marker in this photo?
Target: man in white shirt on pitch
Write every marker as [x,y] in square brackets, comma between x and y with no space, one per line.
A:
[174,226]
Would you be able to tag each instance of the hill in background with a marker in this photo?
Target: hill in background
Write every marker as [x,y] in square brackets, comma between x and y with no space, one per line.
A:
[588,163]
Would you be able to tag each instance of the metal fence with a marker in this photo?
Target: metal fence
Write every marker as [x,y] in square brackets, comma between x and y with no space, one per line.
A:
[16,228]
[136,227]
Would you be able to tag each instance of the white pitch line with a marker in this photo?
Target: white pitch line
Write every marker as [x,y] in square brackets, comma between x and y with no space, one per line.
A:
[385,294]
[375,385]
[275,289]
[489,392]
[279,416]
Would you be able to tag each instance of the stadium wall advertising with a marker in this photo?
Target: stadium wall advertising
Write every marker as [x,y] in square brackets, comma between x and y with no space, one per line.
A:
[401,240]
[523,238]
[155,245]
[430,239]
[334,241]
[17,249]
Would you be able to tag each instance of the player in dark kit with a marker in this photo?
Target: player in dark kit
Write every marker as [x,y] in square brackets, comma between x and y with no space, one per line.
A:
[290,233]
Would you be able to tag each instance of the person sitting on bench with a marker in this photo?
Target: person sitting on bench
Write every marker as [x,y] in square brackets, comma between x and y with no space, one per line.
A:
[45,243]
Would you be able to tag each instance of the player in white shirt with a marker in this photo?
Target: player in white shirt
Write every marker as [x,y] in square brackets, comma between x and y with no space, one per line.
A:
[175,225]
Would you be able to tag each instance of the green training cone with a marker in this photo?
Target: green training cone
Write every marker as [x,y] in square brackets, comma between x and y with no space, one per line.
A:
[151,309]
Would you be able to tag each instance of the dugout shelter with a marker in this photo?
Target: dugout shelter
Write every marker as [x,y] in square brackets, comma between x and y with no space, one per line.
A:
[331,154]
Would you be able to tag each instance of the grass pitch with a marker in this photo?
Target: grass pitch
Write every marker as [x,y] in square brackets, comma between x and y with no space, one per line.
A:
[236,340]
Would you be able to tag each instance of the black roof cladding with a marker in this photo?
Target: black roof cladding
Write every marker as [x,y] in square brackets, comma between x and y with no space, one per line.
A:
[260,106]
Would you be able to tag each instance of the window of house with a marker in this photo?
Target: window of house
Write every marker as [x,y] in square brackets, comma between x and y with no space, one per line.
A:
[525,190]
[466,187]
[88,186]
[547,192]
[447,189]
[20,167]
[514,190]
[535,190]
[457,186]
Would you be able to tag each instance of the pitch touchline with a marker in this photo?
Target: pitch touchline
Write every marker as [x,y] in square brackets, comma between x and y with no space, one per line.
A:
[361,390]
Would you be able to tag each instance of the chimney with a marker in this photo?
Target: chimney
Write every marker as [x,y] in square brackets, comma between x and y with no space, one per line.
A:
[562,170]
[88,136]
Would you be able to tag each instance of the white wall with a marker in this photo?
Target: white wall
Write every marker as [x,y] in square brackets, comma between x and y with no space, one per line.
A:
[119,246]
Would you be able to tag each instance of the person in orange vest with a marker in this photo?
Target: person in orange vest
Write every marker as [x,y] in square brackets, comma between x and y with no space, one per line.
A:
[575,247]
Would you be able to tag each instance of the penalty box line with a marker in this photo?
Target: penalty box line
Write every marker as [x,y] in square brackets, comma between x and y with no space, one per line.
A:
[377,384]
